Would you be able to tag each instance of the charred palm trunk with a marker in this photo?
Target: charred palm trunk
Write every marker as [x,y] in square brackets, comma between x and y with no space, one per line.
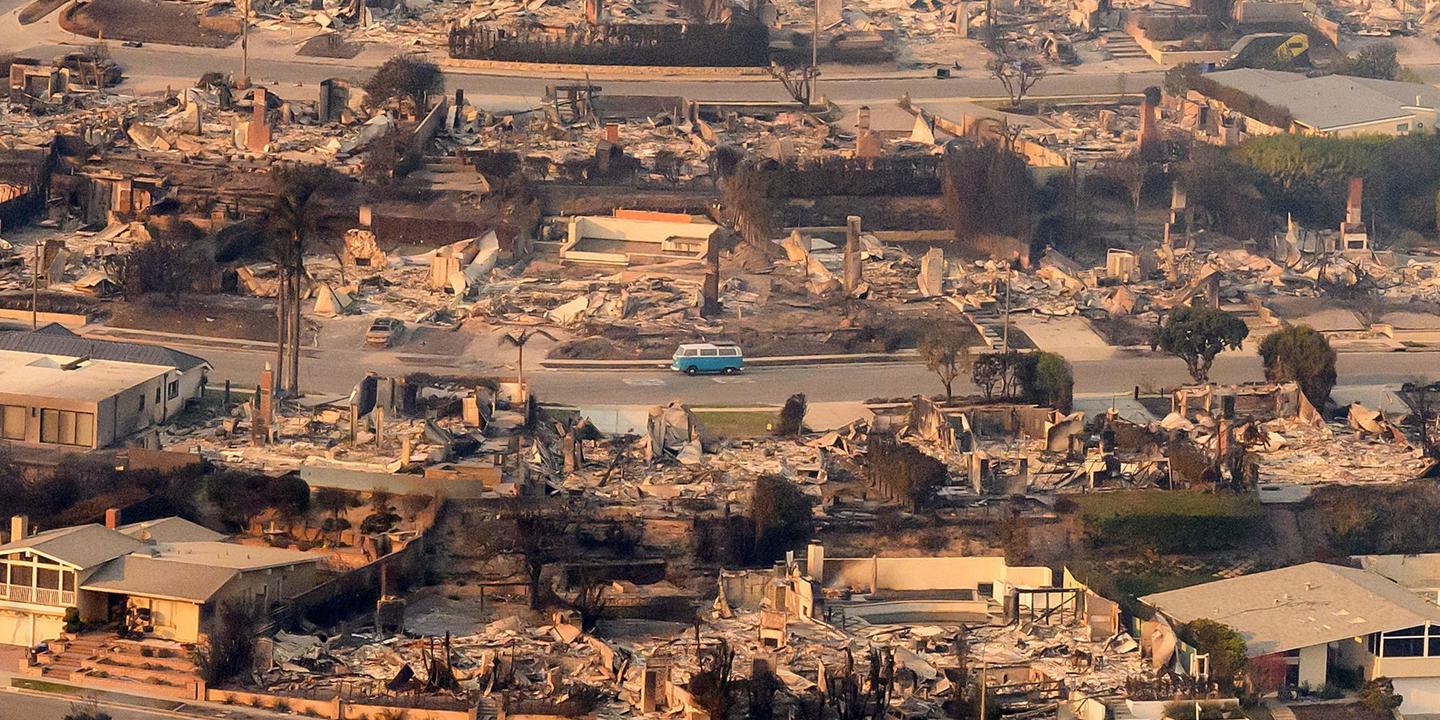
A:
[282,329]
[295,276]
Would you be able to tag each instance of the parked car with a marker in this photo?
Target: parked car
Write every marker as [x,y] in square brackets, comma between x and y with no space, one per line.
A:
[696,358]
[384,332]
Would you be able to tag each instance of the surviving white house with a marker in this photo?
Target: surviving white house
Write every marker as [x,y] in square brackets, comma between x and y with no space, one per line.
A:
[164,578]
[1316,618]
[60,390]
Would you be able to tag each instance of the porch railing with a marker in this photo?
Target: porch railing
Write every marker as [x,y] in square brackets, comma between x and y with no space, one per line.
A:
[37,596]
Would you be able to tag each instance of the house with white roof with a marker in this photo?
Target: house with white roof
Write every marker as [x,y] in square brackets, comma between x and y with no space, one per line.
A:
[1335,105]
[165,577]
[1317,618]
[60,390]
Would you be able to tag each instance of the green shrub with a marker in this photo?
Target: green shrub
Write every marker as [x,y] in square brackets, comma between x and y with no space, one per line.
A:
[72,621]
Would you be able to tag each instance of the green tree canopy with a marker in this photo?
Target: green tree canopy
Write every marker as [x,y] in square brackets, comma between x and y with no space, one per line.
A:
[1197,334]
[1229,656]
[1045,378]
[1377,61]
[1301,354]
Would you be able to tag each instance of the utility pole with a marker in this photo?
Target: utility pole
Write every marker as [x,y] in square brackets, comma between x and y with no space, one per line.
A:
[815,56]
[1005,334]
[245,45]
[35,291]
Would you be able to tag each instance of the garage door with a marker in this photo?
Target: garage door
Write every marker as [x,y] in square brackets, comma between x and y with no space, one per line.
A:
[21,629]
[1421,695]
[15,630]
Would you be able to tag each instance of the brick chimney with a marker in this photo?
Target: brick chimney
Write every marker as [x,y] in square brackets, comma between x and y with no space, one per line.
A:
[1147,122]
[1355,201]
[257,133]
[595,11]
[112,518]
[19,527]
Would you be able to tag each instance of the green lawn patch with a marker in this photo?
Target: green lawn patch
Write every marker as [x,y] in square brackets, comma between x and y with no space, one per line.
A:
[1170,521]
[738,424]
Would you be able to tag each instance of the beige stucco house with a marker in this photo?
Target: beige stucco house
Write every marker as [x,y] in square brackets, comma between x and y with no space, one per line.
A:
[166,576]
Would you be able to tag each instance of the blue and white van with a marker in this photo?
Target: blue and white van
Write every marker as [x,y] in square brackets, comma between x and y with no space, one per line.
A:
[696,358]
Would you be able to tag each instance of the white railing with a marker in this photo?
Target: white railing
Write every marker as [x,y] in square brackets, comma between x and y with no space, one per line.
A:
[37,596]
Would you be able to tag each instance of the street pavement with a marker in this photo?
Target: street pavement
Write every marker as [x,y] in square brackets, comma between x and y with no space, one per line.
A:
[327,372]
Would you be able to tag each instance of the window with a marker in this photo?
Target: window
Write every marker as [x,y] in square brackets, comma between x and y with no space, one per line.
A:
[729,352]
[172,390]
[692,352]
[64,427]
[142,404]
[709,352]
[47,578]
[157,396]
[20,575]
[1402,127]
[12,422]
[1409,642]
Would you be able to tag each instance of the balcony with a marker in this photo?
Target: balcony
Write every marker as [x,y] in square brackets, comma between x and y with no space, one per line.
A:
[37,596]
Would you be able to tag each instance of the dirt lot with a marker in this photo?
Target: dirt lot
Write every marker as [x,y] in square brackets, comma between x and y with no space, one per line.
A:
[146,21]
[210,316]
[38,9]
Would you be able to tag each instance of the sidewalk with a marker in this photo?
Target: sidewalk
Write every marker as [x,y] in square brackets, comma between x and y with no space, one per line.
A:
[72,693]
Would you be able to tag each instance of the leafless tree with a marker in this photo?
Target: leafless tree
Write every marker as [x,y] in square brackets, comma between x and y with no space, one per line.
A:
[1018,71]
[799,82]
[590,602]
[1424,401]
[1130,172]
[519,340]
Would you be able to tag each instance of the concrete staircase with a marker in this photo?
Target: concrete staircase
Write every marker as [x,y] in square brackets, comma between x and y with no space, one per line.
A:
[73,656]
[1120,45]
[1116,709]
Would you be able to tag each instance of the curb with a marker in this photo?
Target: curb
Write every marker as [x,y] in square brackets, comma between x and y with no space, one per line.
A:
[509,68]
[902,356]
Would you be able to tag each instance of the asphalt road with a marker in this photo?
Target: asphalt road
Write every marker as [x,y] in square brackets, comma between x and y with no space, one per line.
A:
[335,372]
[153,67]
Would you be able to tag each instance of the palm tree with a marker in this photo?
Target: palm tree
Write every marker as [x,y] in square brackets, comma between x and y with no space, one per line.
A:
[519,340]
[291,222]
